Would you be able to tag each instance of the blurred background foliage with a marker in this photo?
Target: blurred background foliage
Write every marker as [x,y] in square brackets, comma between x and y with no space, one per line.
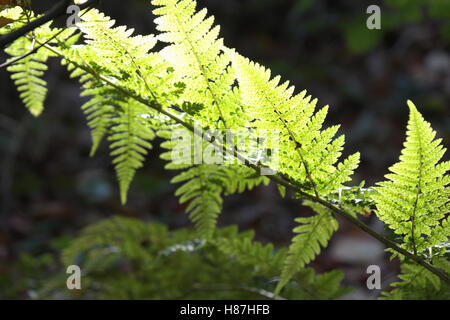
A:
[50,188]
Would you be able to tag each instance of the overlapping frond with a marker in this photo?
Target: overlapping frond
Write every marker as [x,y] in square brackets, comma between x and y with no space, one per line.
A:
[205,183]
[152,253]
[127,122]
[203,189]
[308,154]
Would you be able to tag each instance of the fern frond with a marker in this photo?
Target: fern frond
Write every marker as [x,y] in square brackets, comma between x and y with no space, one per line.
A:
[204,185]
[130,136]
[248,252]
[417,283]
[153,253]
[28,71]
[205,195]
[414,199]
[99,110]
[308,154]
[15,14]
[312,233]
[126,60]
[127,122]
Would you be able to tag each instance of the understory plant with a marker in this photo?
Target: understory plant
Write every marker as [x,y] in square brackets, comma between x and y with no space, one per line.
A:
[196,84]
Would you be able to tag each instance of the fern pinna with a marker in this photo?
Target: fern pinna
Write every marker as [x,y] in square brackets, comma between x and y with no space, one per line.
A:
[137,93]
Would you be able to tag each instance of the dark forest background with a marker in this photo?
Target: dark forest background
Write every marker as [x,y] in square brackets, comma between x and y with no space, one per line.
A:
[50,188]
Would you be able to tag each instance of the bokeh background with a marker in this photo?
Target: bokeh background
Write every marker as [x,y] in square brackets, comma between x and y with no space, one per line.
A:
[50,188]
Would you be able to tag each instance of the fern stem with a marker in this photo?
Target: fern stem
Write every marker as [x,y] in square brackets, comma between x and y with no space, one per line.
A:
[382,239]
[292,185]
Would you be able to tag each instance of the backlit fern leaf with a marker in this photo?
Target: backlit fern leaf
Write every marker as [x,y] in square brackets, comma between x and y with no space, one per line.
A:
[124,120]
[130,136]
[136,93]
[27,75]
[204,193]
[312,233]
[99,110]
[308,154]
